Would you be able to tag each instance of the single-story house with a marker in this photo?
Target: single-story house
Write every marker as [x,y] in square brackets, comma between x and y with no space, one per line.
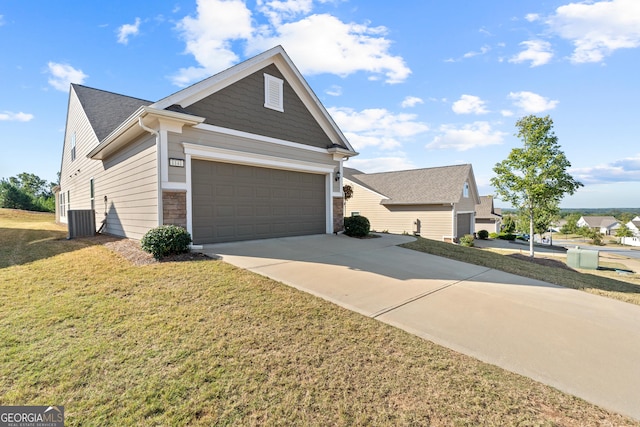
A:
[488,217]
[437,203]
[634,226]
[604,224]
[245,154]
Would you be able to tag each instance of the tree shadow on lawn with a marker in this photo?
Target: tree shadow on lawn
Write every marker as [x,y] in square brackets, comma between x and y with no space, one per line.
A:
[580,280]
[25,245]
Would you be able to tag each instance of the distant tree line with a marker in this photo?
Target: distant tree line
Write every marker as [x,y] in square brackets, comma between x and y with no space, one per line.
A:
[27,191]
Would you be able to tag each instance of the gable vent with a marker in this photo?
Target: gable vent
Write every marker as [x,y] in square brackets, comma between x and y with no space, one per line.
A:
[273,93]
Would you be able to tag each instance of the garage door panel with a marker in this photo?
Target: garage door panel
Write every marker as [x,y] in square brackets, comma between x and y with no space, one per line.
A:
[238,202]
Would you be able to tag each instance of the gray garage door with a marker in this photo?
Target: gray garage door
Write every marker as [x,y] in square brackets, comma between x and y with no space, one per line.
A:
[237,202]
[464,224]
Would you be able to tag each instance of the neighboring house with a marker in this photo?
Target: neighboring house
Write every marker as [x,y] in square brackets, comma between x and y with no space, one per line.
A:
[634,226]
[436,203]
[604,224]
[487,216]
[245,154]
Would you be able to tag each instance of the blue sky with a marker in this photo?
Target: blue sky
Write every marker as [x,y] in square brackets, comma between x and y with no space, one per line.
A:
[412,83]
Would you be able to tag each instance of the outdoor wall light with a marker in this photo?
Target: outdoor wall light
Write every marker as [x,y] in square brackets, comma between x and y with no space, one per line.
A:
[338,176]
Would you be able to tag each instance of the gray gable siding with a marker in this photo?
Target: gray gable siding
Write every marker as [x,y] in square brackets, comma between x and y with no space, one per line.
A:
[240,106]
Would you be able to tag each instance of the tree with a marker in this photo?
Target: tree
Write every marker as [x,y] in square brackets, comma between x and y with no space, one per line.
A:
[623,231]
[571,226]
[508,224]
[27,191]
[534,178]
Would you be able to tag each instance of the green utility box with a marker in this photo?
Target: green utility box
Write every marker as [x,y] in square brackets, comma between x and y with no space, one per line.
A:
[583,258]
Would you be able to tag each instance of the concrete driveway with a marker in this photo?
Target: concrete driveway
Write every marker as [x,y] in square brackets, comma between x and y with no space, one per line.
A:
[582,344]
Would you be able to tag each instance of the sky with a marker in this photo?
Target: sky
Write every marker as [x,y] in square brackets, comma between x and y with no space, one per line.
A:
[411,83]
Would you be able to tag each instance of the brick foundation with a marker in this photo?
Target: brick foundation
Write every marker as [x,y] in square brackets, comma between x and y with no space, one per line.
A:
[174,208]
[338,214]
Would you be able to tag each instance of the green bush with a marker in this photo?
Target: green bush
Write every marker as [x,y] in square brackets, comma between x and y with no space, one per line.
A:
[507,236]
[166,240]
[493,235]
[483,234]
[466,240]
[356,226]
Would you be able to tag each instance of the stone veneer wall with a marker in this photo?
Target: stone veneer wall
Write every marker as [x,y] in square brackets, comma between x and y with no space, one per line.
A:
[174,208]
[338,214]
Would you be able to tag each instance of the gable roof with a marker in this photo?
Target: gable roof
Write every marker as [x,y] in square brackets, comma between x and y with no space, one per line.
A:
[115,118]
[485,209]
[439,185]
[600,221]
[106,110]
[278,57]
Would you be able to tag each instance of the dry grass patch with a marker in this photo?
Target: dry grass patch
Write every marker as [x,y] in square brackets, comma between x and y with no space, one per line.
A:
[205,343]
[549,269]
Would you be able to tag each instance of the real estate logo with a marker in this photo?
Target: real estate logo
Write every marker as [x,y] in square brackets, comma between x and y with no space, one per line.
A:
[31,416]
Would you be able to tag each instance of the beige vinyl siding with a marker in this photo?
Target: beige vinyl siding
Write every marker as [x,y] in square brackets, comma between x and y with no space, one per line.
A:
[75,175]
[130,182]
[128,178]
[435,220]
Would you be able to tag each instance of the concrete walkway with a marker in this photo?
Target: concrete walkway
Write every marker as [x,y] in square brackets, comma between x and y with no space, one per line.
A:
[582,344]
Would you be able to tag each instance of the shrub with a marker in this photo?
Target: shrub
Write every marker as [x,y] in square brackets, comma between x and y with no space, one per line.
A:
[166,240]
[493,235]
[483,234]
[356,226]
[466,240]
[507,236]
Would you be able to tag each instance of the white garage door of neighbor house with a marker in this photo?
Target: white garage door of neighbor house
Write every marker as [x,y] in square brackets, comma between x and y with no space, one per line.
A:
[234,202]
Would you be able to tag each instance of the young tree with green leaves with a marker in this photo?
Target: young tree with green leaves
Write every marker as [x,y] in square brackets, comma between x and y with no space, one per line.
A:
[623,231]
[534,178]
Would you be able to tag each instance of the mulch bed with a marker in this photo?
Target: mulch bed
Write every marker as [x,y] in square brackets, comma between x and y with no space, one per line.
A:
[542,261]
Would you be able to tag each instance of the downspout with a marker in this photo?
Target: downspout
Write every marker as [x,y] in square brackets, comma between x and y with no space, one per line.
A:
[158,161]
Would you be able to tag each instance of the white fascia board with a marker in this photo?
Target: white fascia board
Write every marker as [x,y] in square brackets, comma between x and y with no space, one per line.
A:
[382,196]
[131,127]
[218,81]
[256,137]
[204,152]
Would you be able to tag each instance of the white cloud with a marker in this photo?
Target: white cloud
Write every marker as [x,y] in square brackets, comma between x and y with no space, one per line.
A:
[532,17]
[539,52]
[469,104]
[8,116]
[624,170]
[411,101]
[324,44]
[209,35]
[532,103]
[334,90]
[376,127]
[62,75]
[506,113]
[597,29]
[381,164]
[277,11]
[474,135]
[317,43]
[127,30]
[483,50]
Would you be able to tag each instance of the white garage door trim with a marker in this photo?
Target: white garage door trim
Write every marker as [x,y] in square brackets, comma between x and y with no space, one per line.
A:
[202,152]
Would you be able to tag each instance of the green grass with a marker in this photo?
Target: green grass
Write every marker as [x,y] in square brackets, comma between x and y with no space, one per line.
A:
[601,283]
[205,343]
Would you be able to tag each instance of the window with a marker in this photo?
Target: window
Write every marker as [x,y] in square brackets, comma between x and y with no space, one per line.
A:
[63,207]
[73,146]
[92,194]
[273,88]
[465,190]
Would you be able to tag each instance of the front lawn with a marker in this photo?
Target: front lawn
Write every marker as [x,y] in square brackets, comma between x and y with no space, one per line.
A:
[602,283]
[205,343]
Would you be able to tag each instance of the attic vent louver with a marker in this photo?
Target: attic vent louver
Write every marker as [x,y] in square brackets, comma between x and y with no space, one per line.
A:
[273,93]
